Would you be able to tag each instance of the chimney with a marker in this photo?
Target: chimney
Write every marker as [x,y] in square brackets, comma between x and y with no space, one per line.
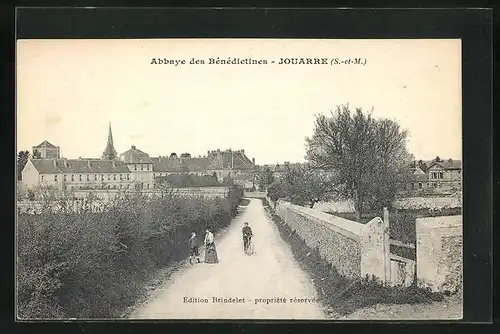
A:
[242,151]
[253,161]
[133,147]
[450,160]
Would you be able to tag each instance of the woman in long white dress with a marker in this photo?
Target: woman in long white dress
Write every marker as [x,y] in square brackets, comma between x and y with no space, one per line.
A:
[210,250]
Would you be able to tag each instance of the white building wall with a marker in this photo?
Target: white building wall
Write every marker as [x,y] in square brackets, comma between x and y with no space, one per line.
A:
[30,177]
[144,176]
[439,253]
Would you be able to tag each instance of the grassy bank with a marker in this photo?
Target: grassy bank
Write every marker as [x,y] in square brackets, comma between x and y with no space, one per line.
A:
[94,265]
[340,294]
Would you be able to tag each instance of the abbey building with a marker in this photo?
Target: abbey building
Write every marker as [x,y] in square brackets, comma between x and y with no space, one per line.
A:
[133,169]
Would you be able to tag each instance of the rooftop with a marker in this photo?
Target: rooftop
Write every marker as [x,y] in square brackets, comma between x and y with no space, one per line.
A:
[65,166]
[135,156]
[45,144]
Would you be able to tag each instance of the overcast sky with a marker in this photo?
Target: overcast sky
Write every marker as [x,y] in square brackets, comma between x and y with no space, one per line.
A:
[69,90]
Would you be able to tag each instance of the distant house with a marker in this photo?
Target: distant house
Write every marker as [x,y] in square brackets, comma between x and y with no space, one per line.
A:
[140,166]
[437,175]
[46,150]
[220,164]
[278,170]
[229,163]
[445,174]
[163,166]
[69,174]
[133,169]
[418,179]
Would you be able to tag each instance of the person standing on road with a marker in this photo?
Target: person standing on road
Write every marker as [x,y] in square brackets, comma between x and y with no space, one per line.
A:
[247,236]
[210,250]
[193,246]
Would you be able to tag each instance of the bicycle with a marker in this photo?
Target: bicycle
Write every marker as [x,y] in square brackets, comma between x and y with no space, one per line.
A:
[249,248]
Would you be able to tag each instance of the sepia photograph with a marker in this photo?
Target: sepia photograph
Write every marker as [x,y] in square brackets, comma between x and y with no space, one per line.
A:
[261,179]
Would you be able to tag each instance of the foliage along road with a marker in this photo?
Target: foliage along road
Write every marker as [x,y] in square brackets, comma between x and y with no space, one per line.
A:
[267,285]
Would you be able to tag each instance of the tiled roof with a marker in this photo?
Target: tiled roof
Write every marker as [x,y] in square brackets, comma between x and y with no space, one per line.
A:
[66,166]
[446,164]
[167,164]
[45,166]
[195,164]
[244,177]
[135,156]
[45,144]
[419,177]
[281,168]
[229,159]
[164,164]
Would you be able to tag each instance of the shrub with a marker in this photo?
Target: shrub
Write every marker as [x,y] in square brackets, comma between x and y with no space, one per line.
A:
[31,195]
[93,264]
[183,180]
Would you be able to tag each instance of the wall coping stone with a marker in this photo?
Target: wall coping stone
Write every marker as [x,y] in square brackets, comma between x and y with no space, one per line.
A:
[440,222]
[348,228]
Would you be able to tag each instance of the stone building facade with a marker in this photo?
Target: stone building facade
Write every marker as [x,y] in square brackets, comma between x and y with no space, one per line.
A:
[437,175]
[46,150]
[133,169]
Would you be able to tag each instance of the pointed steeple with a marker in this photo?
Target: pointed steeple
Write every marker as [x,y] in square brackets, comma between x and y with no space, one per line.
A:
[109,153]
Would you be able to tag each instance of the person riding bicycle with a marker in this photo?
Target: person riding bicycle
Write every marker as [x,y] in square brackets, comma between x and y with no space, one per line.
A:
[247,235]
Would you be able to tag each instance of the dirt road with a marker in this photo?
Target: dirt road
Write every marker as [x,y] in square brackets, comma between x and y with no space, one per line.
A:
[267,285]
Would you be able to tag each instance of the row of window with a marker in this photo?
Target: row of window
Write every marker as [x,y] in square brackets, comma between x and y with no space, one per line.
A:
[435,185]
[165,174]
[436,175]
[88,177]
[144,167]
[109,186]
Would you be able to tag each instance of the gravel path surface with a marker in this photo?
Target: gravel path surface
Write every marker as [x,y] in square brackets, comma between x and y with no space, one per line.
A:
[267,285]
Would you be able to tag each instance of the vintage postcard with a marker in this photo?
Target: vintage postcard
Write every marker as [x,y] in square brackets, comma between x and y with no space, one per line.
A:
[239,179]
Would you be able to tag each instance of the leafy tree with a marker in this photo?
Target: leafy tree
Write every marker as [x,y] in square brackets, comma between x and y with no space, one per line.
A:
[276,190]
[265,178]
[391,173]
[185,155]
[228,180]
[304,185]
[368,157]
[36,154]
[234,195]
[22,159]
[173,155]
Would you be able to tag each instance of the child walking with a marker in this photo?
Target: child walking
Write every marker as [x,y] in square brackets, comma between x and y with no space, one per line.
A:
[193,245]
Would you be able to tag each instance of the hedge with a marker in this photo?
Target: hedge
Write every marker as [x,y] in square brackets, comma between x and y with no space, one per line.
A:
[94,265]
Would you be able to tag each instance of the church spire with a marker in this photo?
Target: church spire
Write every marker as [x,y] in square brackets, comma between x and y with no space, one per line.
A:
[109,153]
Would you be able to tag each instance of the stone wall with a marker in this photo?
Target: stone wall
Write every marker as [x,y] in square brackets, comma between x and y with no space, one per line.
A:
[409,203]
[433,203]
[355,250]
[358,250]
[440,253]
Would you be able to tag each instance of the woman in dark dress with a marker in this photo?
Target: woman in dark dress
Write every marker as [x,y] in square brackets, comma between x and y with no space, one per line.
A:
[210,250]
